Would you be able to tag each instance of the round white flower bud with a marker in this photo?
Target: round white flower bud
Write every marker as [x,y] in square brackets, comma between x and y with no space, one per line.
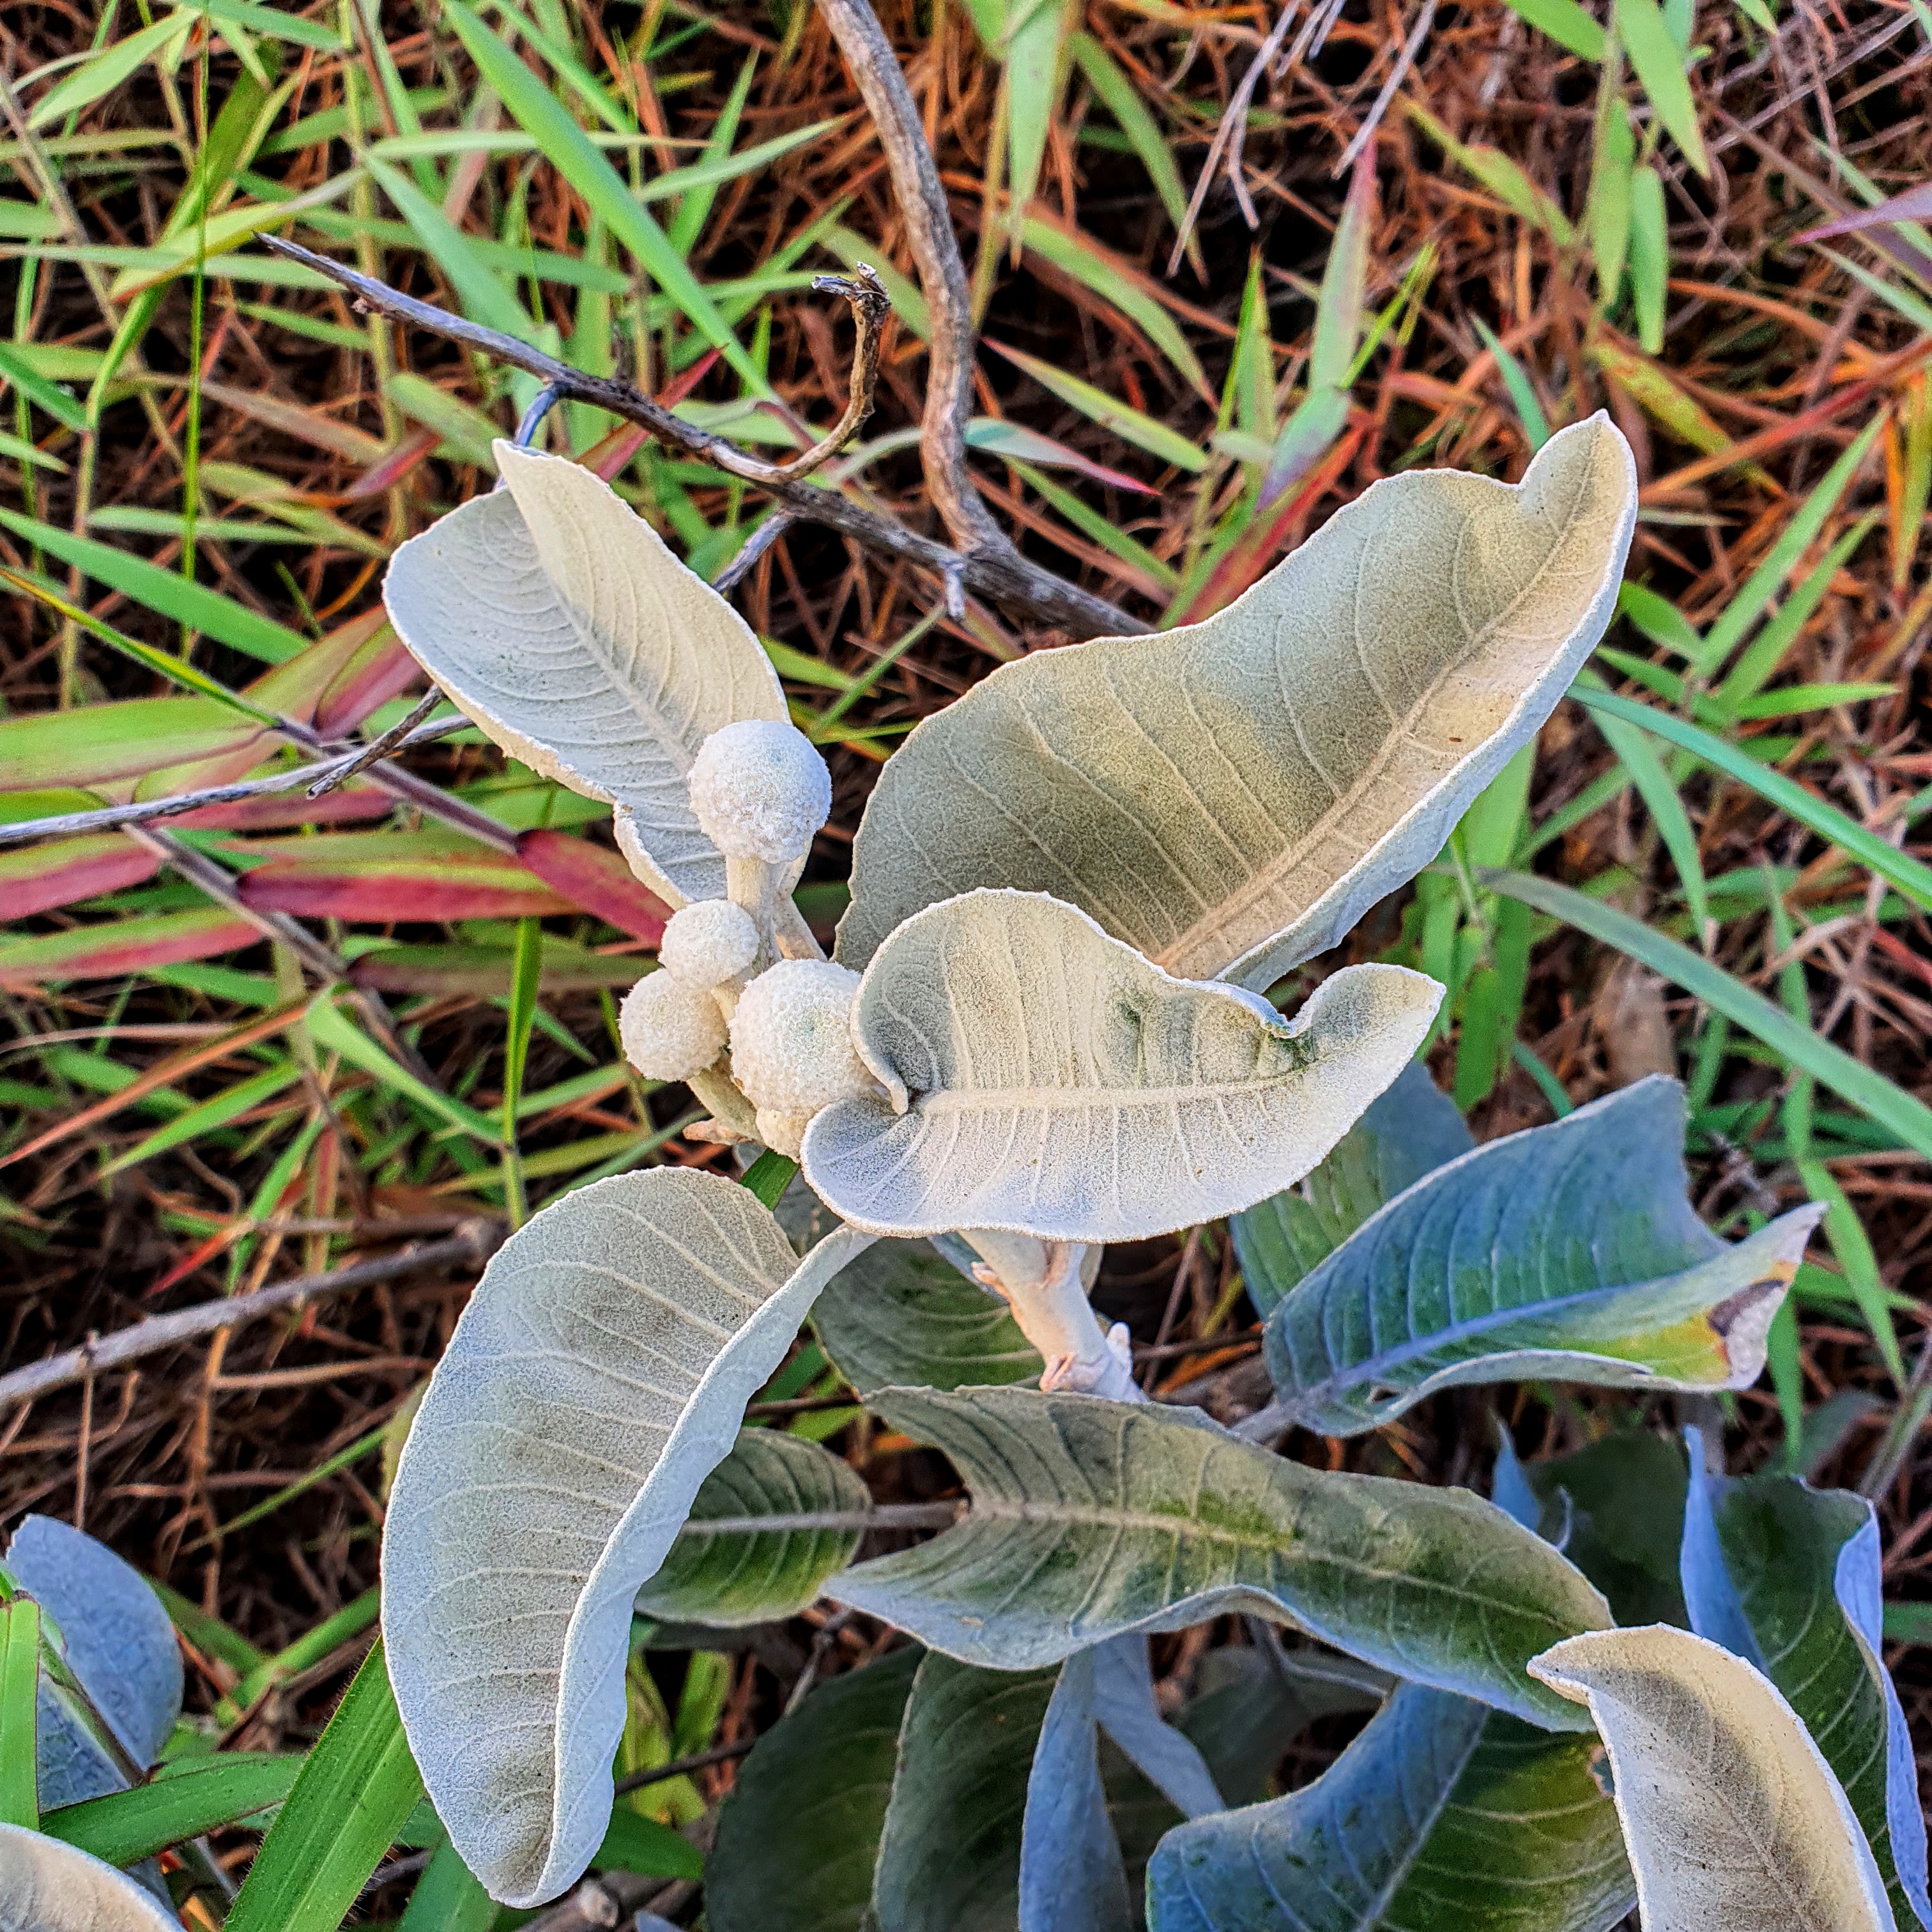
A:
[760,790]
[669,1031]
[791,1038]
[707,943]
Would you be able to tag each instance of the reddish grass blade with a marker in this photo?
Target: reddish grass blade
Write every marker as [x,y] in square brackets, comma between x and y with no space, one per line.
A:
[597,879]
[124,945]
[37,878]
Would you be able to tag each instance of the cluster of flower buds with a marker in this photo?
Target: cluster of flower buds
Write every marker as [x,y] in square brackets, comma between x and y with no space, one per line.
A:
[760,791]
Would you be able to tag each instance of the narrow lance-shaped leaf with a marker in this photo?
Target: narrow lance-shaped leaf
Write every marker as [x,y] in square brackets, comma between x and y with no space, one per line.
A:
[1409,1130]
[799,1834]
[1044,1078]
[769,1524]
[596,1379]
[1072,1878]
[1787,1577]
[47,1886]
[1230,797]
[555,617]
[1441,1814]
[1092,1519]
[1570,1251]
[353,1795]
[1733,1821]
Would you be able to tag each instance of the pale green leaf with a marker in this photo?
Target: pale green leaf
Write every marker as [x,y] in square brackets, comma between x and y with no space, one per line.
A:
[1566,1252]
[1230,797]
[47,1886]
[799,1833]
[903,1313]
[1043,1078]
[769,1524]
[1731,1815]
[1091,1518]
[596,1378]
[558,620]
[1440,1813]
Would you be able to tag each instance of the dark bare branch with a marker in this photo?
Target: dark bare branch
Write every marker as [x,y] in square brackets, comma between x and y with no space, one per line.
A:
[1002,577]
[881,83]
[470,1246]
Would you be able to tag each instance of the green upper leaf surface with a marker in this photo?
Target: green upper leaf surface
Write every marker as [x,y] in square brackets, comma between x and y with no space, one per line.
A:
[1569,1252]
[1409,1130]
[1442,1816]
[950,1855]
[1787,1576]
[1230,797]
[798,1836]
[770,1523]
[596,1378]
[901,1312]
[1091,1518]
[1045,1078]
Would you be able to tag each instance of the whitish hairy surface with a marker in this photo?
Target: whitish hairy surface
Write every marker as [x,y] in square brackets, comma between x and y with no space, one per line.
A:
[1230,797]
[1045,1079]
[707,943]
[596,1378]
[760,790]
[47,1886]
[669,1029]
[1733,1820]
[791,1037]
[554,615]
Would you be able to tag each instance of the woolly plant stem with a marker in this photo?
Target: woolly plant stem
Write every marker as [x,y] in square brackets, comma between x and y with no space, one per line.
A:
[1042,1283]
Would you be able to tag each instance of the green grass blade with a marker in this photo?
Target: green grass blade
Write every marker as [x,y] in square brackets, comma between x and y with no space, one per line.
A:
[483,297]
[166,592]
[206,1115]
[164,663]
[332,1030]
[1890,1106]
[1125,421]
[1659,793]
[1566,23]
[449,1897]
[19,1687]
[1521,394]
[350,1799]
[1758,663]
[768,1176]
[202,1795]
[1758,590]
[539,113]
[1659,65]
[1122,99]
[1910,876]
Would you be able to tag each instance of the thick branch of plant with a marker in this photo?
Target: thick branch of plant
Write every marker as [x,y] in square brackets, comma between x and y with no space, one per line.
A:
[1005,578]
[882,85]
[470,1246]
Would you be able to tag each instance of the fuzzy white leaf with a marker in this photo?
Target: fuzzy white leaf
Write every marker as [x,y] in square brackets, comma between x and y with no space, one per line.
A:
[554,616]
[1733,1820]
[1056,1083]
[1230,797]
[47,1886]
[596,1379]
